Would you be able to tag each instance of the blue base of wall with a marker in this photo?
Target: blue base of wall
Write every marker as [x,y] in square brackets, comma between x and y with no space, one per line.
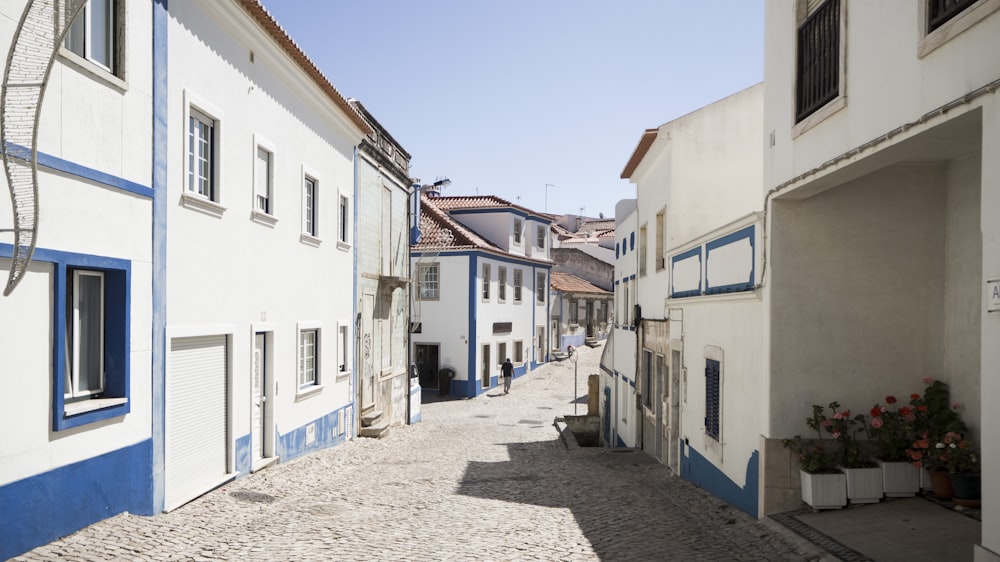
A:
[42,508]
[702,473]
[575,341]
[293,444]
[244,463]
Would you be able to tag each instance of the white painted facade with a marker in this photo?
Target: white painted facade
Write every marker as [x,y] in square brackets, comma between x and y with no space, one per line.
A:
[881,233]
[75,453]
[620,423]
[477,319]
[699,227]
[270,273]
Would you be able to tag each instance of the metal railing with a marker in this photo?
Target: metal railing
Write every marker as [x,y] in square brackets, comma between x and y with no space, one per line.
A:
[818,65]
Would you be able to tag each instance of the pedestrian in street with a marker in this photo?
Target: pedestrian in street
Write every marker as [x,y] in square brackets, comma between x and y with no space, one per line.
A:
[507,371]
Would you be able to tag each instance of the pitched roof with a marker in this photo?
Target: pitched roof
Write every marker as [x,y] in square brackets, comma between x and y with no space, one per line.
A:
[463,202]
[646,141]
[592,227]
[287,44]
[438,231]
[572,284]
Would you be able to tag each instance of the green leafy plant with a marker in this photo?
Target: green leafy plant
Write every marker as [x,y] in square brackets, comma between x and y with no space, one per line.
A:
[891,429]
[813,456]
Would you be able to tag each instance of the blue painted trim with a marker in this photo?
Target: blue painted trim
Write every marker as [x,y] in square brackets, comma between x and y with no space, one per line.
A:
[701,472]
[159,289]
[745,233]
[117,338]
[473,386]
[527,262]
[84,172]
[96,176]
[631,277]
[244,462]
[293,444]
[681,257]
[40,509]
[631,243]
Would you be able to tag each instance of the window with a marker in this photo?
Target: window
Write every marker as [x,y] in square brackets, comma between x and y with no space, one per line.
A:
[661,237]
[625,301]
[574,311]
[85,335]
[428,286]
[501,352]
[540,237]
[941,11]
[486,281]
[642,250]
[308,357]
[518,352]
[541,287]
[712,387]
[201,155]
[262,181]
[647,378]
[342,347]
[310,225]
[344,220]
[517,231]
[517,284]
[818,58]
[502,284]
[92,35]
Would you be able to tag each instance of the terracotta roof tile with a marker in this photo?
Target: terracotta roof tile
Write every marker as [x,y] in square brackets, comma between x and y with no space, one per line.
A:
[572,284]
[463,202]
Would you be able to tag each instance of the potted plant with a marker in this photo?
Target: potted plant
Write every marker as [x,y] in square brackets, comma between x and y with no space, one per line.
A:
[935,415]
[890,429]
[823,487]
[962,462]
[864,478]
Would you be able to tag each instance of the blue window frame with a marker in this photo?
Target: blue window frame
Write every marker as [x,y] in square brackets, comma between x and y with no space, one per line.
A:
[89,293]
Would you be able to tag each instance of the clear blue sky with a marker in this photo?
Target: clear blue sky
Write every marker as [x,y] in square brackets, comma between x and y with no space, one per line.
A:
[505,96]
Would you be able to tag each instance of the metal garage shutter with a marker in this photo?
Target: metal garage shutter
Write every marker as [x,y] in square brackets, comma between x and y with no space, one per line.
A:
[196,418]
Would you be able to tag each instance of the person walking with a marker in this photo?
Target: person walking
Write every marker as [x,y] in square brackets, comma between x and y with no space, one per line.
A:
[507,371]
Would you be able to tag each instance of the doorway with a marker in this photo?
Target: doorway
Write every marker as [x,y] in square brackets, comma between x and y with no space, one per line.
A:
[487,366]
[426,359]
[590,319]
[258,398]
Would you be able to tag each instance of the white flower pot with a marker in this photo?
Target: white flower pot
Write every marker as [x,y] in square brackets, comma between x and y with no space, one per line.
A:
[824,491]
[899,479]
[864,485]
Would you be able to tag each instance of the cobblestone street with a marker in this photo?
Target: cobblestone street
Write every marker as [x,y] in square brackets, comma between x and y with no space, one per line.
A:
[480,479]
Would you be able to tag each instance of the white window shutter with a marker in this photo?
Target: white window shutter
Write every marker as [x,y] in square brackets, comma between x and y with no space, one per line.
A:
[262,175]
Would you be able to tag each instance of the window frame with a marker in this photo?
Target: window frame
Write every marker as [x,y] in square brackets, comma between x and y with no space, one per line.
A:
[344,221]
[518,285]
[518,352]
[305,387]
[932,39]
[266,215]
[81,54]
[647,378]
[486,282]
[541,287]
[74,329]
[204,112]
[540,237]
[501,284]
[310,214]
[518,231]
[422,269]
[837,102]
[574,312]
[343,349]
[661,239]
[642,250]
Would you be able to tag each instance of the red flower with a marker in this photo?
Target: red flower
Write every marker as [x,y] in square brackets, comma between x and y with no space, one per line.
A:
[914,397]
[922,408]
[905,411]
[876,411]
[890,399]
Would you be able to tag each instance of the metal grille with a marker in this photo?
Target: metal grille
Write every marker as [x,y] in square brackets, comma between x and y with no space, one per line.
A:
[818,66]
[941,11]
[712,392]
[39,34]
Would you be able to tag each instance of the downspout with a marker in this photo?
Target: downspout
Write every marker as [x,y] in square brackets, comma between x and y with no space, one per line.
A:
[414,236]
[356,408]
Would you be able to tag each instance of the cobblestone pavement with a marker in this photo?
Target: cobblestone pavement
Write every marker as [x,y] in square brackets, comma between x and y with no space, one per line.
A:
[478,479]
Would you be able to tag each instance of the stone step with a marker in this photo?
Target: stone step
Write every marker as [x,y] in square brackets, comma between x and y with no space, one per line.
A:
[370,418]
[377,431]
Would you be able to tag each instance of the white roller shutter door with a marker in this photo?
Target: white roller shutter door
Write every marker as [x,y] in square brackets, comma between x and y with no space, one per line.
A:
[197,416]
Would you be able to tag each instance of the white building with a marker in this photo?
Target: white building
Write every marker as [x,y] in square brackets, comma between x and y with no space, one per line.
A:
[699,370]
[383,272]
[259,284]
[581,312]
[481,273]
[880,181]
[619,420]
[75,340]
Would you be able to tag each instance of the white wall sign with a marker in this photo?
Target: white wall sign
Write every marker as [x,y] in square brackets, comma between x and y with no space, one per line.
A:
[993,295]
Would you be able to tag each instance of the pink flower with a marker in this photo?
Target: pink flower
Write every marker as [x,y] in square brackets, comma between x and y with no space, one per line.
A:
[876,422]
[837,416]
[928,380]
[827,423]
[955,405]
[836,435]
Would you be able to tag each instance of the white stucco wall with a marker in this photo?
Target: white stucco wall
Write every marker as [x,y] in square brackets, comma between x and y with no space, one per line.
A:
[445,322]
[87,120]
[231,270]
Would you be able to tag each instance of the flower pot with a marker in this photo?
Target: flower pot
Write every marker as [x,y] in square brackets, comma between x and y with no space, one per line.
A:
[824,490]
[864,485]
[966,486]
[941,484]
[899,479]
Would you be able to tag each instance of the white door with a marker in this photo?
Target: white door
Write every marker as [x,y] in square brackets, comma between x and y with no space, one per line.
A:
[257,397]
[197,418]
